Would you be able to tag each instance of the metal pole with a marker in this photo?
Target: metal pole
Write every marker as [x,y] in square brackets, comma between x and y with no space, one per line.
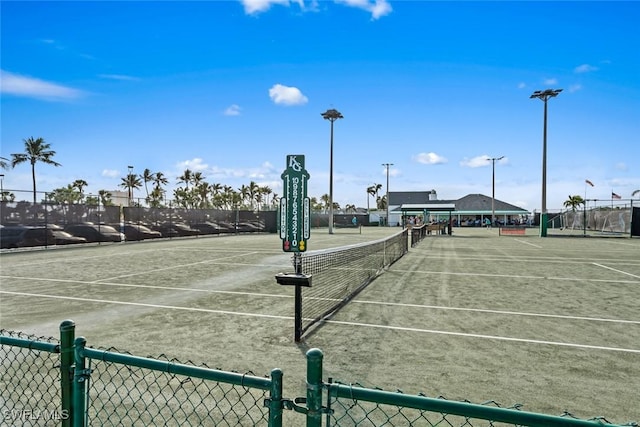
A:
[314,387]
[387,166]
[544,97]
[493,188]
[544,161]
[67,359]
[331,182]
[331,115]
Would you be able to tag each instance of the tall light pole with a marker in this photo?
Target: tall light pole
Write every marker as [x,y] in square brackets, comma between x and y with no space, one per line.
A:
[1,187]
[387,165]
[544,96]
[130,182]
[332,115]
[493,188]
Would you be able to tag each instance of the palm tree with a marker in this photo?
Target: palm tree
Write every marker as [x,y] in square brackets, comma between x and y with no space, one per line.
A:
[573,202]
[635,193]
[186,177]
[197,178]
[265,191]
[350,208]
[159,180]
[147,176]
[202,189]
[381,202]
[105,197]
[79,184]
[4,163]
[36,150]
[325,202]
[373,191]
[131,182]
[245,193]
[253,191]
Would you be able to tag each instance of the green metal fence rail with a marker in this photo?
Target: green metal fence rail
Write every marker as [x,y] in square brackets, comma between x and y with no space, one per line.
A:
[36,377]
[354,405]
[114,388]
[49,382]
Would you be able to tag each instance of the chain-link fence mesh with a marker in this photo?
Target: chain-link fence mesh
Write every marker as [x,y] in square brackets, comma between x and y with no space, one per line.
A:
[121,394]
[30,382]
[114,388]
[347,407]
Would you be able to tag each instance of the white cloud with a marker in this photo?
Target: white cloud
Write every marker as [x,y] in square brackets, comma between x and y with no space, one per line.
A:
[110,173]
[377,8]
[286,95]
[480,161]
[621,166]
[551,81]
[429,158]
[521,85]
[194,165]
[257,6]
[232,110]
[16,84]
[118,77]
[575,88]
[584,68]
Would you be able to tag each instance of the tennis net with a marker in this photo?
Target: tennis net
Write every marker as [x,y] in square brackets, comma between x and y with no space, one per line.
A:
[339,274]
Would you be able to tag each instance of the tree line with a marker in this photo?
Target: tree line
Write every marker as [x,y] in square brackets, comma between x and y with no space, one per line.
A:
[193,192]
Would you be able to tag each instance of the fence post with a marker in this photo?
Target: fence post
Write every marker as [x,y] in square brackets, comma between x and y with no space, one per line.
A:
[79,383]
[67,336]
[314,388]
[275,399]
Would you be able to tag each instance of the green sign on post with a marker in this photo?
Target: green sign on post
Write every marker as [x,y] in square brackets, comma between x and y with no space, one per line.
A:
[295,206]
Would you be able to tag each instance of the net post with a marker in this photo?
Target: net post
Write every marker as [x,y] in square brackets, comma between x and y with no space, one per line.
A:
[297,264]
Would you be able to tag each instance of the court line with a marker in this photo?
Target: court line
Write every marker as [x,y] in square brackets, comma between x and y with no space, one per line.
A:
[338,322]
[533,259]
[527,243]
[164,288]
[511,313]
[617,271]
[140,304]
[493,337]
[356,301]
[515,276]
[207,261]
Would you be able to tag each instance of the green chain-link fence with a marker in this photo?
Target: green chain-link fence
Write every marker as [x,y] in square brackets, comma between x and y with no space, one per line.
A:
[46,381]
[30,380]
[114,388]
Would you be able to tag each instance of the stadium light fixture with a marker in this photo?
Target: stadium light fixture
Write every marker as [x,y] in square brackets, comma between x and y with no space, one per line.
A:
[387,165]
[332,115]
[493,188]
[544,96]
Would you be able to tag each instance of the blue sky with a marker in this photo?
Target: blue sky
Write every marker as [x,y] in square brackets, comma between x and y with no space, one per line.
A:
[229,88]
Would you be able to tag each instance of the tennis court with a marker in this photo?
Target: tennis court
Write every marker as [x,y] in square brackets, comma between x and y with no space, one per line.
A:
[550,323]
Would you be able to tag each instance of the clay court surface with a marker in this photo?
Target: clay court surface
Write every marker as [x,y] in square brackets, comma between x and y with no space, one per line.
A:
[551,323]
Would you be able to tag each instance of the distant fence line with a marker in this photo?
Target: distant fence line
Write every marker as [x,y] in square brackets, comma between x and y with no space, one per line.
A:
[28,213]
[70,384]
